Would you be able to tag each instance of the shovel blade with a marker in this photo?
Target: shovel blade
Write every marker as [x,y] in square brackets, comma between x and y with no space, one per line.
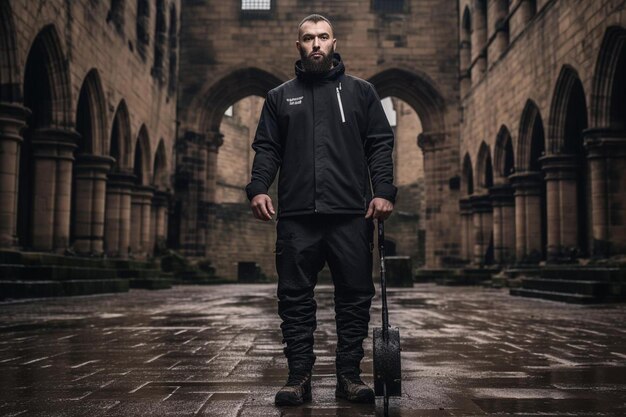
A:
[387,370]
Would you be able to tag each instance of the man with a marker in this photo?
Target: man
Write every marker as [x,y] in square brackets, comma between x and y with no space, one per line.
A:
[328,134]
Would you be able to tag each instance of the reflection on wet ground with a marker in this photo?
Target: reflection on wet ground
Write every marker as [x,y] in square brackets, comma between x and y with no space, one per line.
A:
[215,351]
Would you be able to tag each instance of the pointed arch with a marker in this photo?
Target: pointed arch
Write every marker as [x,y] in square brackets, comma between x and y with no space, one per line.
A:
[46,81]
[609,82]
[503,159]
[417,90]
[468,175]
[121,145]
[568,113]
[239,84]
[466,39]
[160,177]
[10,88]
[91,116]
[484,168]
[142,158]
[531,143]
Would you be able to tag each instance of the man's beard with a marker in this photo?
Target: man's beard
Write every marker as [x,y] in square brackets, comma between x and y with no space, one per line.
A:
[321,65]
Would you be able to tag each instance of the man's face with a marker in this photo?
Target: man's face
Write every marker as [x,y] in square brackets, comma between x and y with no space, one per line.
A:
[316,46]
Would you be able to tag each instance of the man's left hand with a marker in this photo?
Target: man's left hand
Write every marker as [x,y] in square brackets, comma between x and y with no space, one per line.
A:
[379,209]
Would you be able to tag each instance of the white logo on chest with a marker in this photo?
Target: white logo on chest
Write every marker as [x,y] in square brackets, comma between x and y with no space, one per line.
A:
[294,100]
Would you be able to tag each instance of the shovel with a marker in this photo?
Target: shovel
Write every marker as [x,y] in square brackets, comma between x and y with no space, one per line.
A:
[387,373]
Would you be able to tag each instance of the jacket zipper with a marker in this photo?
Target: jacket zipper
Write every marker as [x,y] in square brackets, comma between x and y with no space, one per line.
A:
[343,117]
[314,150]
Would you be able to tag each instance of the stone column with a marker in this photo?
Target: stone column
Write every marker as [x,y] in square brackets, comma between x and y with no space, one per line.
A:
[12,120]
[117,217]
[606,152]
[562,203]
[503,203]
[502,38]
[159,209]
[213,141]
[465,208]
[526,11]
[141,203]
[527,186]
[482,222]
[53,157]
[90,177]
[439,240]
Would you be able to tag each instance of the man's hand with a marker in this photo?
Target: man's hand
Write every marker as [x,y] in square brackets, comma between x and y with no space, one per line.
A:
[379,208]
[262,207]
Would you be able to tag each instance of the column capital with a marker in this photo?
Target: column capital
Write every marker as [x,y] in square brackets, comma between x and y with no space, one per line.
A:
[465,206]
[526,182]
[121,179]
[94,163]
[214,140]
[12,120]
[605,142]
[560,166]
[480,203]
[502,195]
[161,198]
[54,143]
[430,141]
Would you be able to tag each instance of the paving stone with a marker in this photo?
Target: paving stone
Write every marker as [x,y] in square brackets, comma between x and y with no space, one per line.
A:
[216,351]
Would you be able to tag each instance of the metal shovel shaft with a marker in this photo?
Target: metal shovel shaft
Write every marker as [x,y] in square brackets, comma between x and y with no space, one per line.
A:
[383,286]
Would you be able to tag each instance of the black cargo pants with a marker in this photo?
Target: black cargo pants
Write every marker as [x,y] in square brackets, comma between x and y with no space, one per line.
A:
[303,245]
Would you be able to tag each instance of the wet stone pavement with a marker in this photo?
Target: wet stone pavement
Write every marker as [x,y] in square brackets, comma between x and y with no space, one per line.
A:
[216,351]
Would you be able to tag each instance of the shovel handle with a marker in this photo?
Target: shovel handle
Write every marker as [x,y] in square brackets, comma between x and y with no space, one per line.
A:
[383,283]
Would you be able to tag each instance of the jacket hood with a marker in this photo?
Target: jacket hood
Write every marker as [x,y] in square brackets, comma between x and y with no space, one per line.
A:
[337,70]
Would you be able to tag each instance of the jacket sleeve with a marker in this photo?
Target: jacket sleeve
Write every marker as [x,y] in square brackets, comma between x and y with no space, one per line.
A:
[379,147]
[268,151]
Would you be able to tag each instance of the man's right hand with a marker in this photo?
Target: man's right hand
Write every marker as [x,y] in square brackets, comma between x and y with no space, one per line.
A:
[262,208]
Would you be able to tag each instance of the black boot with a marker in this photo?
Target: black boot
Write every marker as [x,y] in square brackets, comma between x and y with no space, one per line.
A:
[351,388]
[297,390]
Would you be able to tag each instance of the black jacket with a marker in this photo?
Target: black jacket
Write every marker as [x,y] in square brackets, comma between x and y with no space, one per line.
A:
[323,131]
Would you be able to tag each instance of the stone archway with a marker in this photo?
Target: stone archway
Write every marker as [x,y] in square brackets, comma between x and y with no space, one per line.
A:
[90,169]
[605,142]
[482,212]
[47,153]
[141,197]
[160,201]
[198,148]
[465,207]
[530,189]
[421,93]
[502,199]
[12,119]
[566,171]
[120,182]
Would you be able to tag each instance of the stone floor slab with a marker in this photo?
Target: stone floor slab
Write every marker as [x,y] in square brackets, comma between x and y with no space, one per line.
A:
[216,351]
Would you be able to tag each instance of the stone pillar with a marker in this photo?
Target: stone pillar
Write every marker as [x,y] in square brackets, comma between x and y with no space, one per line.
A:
[466,229]
[213,141]
[53,157]
[465,58]
[526,11]
[12,120]
[90,177]
[606,152]
[502,38]
[479,45]
[528,226]
[503,203]
[159,216]
[141,203]
[562,203]
[482,222]
[439,236]
[117,216]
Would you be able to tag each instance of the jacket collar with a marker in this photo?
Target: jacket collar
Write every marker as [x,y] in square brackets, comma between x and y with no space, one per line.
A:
[337,70]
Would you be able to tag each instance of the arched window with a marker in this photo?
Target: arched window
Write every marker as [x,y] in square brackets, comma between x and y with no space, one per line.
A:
[116,15]
[159,40]
[173,51]
[143,22]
